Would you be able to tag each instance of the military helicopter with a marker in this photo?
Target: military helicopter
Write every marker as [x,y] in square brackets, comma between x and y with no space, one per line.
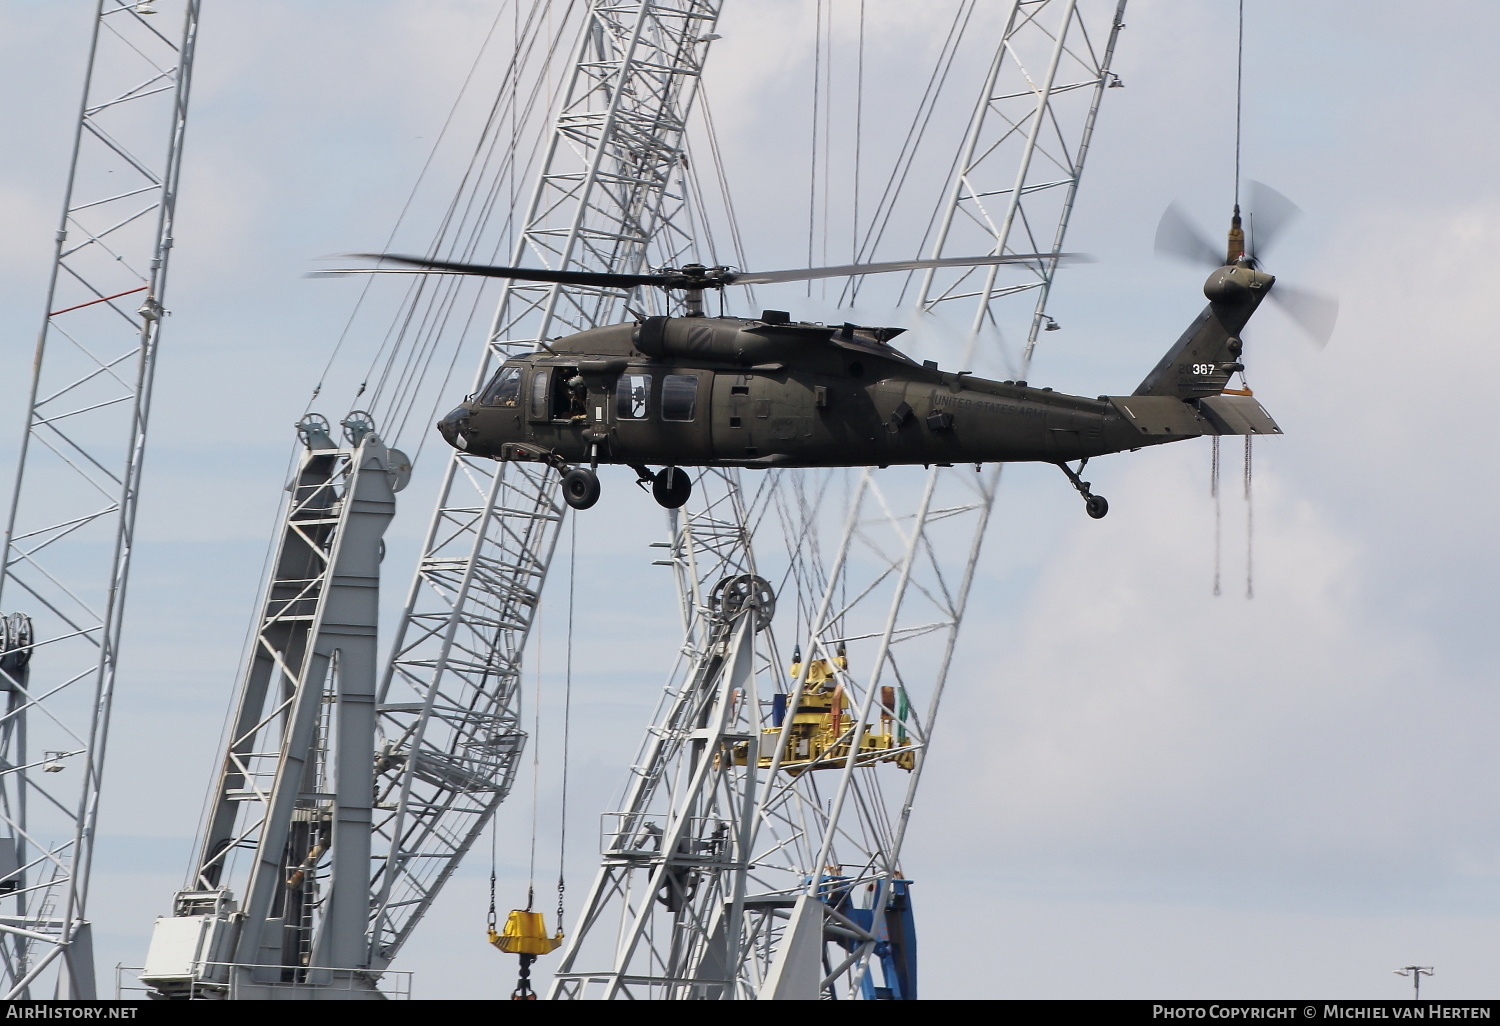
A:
[700,391]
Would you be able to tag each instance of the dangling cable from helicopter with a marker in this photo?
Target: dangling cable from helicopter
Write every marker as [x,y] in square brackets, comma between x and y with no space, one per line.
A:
[1249,527]
[1236,249]
[1213,491]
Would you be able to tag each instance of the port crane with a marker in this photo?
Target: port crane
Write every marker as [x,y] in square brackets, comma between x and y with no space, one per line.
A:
[756,850]
[350,789]
[70,520]
[446,755]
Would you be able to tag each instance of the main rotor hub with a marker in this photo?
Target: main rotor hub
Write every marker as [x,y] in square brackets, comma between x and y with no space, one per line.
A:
[695,276]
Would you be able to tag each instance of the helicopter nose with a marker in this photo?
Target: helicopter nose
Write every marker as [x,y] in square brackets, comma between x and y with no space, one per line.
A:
[455,428]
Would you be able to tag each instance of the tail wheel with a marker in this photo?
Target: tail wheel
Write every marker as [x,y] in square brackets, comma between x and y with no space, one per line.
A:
[1097,506]
[672,487]
[580,488]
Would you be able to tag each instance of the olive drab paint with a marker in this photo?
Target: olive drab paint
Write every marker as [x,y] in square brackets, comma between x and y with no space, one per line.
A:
[769,392]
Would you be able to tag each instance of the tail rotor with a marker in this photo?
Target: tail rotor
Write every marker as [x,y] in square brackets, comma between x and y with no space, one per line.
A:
[1270,213]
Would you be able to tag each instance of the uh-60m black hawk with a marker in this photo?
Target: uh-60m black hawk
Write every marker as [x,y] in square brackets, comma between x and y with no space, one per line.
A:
[700,391]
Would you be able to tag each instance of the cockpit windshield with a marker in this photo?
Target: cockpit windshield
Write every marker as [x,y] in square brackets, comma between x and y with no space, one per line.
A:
[504,388]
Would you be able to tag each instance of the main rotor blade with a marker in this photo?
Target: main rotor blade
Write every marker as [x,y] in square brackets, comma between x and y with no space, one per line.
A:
[597,278]
[1313,312]
[808,274]
[1270,213]
[1178,237]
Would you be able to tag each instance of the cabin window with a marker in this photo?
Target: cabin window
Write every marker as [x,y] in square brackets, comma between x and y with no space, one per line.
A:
[633,396]
[569,394]
[541,395]
[679,396]
[504,389]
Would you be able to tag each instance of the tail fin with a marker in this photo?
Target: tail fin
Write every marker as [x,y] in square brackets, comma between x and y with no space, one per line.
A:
[1208,353]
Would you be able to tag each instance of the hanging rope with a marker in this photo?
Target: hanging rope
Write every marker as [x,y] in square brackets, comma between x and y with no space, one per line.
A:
[408,376]
[492,921]
[536,760]
[859,129]
[812,174]
[1239,93]
[562,842]
[1213,490]
[911,147]
[1249,527]
[406,208]
[525,931]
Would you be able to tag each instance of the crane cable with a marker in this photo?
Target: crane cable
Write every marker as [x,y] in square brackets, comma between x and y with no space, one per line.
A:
[536,761]
[1213,488]
[407,362]
[524,933]
[1239,94]
[562,841]
[1239,103]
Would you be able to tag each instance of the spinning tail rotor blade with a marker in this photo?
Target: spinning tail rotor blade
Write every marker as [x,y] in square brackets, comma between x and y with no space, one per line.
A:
[1270,213]
[1179,238]
[809,274]
[1313,312]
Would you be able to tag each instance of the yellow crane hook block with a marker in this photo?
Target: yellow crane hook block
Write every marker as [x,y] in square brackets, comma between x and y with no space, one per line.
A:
[525,933]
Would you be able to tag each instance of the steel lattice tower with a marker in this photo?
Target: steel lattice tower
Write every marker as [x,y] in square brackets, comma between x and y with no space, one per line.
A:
[610,196]
[338,881]
[71,519]
[807,897]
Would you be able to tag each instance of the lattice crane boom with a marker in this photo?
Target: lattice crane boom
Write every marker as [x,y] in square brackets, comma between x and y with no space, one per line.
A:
[71,518]
[610,197]
[809,900]
[306,885]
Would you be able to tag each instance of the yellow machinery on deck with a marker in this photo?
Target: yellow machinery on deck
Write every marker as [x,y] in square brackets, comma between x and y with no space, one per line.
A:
[822,729]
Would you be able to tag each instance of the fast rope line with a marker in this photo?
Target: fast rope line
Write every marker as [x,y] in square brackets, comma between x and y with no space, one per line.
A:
[1249,527]
[1213,491]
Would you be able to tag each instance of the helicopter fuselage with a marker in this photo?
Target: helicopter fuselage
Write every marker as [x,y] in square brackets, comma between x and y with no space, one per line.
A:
[836,402]
[760,393]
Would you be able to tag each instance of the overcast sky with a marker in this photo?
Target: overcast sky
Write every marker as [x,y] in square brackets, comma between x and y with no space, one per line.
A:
[1137,790]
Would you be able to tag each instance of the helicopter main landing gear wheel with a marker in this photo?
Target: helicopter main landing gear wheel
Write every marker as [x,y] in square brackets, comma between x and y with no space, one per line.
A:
[580,487]
[671,487]
[1095,505]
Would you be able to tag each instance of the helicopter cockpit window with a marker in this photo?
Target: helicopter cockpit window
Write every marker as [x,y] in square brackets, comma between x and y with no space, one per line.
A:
[679,396]
[541,394]
[504,389]
[633,396]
